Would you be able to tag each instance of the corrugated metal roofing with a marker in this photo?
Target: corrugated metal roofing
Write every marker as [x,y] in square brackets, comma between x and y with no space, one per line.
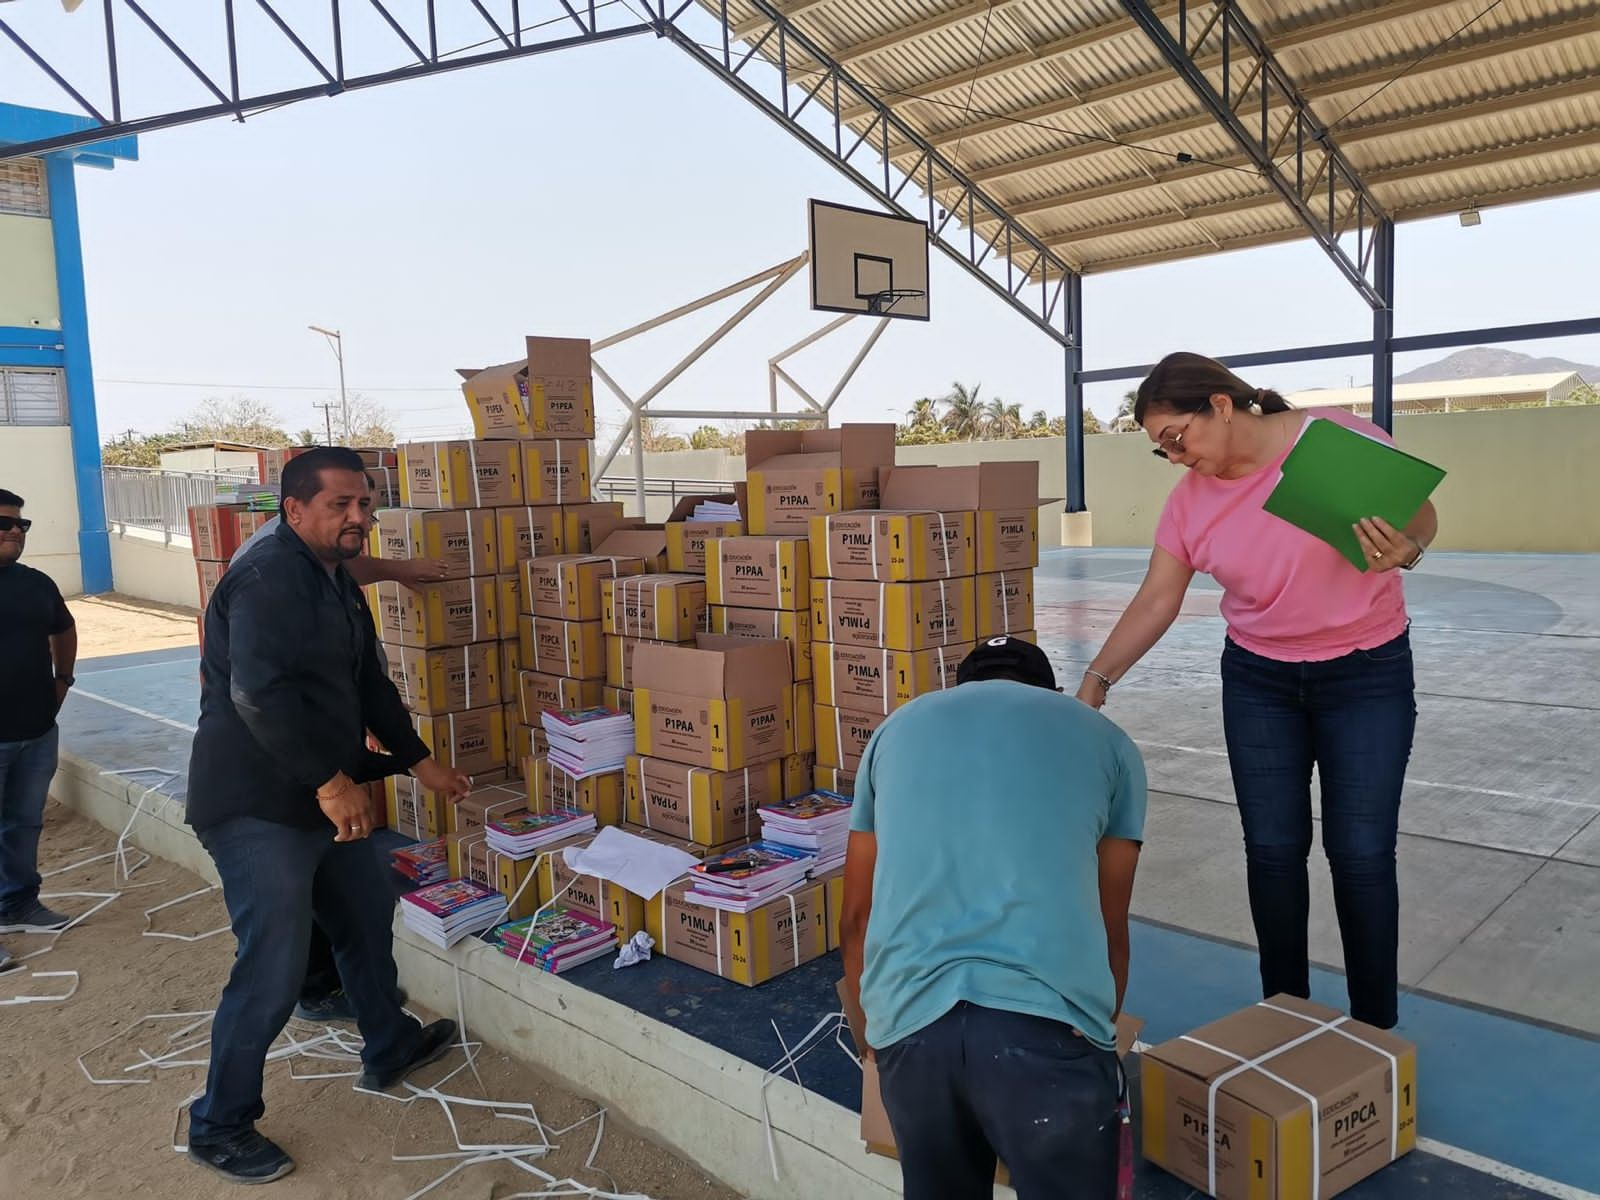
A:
[1437,105]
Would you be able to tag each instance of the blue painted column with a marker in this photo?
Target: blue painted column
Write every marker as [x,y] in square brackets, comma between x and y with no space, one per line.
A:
[1074,384]
[94,544]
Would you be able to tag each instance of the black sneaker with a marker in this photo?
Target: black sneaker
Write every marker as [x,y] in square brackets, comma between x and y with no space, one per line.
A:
[32,918]
[247,1158]
[335,1008]
[433,1045]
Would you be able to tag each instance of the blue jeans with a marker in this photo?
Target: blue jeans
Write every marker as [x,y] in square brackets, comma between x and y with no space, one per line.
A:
[275,879]
[1354,718]
[26,769]
[980,1083]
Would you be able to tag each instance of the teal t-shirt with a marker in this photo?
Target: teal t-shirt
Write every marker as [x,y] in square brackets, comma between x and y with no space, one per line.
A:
[989,802]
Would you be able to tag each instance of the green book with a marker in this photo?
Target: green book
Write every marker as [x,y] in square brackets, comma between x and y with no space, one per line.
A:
[1334,476]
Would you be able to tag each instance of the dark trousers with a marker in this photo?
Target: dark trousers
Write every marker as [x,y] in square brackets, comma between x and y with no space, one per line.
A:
[1354,718]
[275,880]
[980,1082]
[322,969]
[26,769]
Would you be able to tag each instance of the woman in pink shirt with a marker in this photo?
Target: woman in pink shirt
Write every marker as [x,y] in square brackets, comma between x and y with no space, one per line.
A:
[1316,669]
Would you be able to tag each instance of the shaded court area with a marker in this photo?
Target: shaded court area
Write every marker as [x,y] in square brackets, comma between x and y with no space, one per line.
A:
[1500,866]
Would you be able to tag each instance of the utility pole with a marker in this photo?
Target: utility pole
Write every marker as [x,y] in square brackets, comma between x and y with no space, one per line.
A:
[336,343]
[327,407]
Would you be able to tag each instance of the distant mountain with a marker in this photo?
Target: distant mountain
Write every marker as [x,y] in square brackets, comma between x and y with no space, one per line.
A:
[1483,362]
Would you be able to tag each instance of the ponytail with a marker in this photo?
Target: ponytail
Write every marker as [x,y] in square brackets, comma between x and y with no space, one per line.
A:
[1185,382]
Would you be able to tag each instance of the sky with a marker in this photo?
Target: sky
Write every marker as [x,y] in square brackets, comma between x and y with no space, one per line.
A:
[436,222]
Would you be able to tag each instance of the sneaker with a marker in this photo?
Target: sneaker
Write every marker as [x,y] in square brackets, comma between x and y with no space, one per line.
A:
[334,1008]
[433,1045]
[5,958]
[35,918]
[246,1158]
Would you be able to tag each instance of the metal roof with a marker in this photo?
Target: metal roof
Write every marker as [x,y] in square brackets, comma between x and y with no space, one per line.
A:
[1494,389]
[1438,105]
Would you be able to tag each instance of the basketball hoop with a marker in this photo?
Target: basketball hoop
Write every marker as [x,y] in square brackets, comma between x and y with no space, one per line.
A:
[879,303]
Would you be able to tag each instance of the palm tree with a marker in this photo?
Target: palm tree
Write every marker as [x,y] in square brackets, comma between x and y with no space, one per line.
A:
[923,413]
[1001,420]
[964,411]
[1039,423]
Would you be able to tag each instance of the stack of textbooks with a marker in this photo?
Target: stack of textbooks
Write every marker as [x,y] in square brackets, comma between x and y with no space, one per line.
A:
[524,834]
[447,912]
[558,940]
[817,821]
[715,510]
[422,863]
[588,741]
[745,879]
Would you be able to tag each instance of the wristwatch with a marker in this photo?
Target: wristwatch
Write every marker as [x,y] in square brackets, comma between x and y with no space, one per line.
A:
[1421,550]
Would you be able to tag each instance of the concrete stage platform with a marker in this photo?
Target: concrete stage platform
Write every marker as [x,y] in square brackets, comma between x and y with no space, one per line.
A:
[1500,874]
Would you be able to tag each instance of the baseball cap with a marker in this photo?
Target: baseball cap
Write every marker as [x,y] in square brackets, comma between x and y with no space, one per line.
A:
[1007,658]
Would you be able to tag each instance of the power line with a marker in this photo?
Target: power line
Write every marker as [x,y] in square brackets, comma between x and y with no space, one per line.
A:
[263,387]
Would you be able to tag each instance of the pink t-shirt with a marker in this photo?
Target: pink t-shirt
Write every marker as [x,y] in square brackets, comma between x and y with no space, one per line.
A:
[1286,595]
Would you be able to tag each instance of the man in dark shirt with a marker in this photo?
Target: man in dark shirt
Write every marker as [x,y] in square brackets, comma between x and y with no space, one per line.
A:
[290,683]
[38,648]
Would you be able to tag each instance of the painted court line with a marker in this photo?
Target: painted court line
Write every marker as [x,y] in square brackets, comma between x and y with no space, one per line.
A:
[138,712]
[1427,783]
[172,662]
[1504,1171]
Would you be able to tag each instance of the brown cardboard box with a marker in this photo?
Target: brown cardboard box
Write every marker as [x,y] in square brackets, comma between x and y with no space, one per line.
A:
[497,399]
[527,532]
[629,537]
[620,699]
[1200,1100]
[385,486]
[791,627]
[508,593]
[413,810]
[747,948]
[537,691]
[567,586]
[1005,496]
[872,679]
[724,703]
[551,392]
[599,898]
[511,718]
[464,540]
[215,532]
[510,659]
[210,574]
[833,895]
[892,546]
[270,463]
[804,737]
[468,741]
[433,616]
[686,537]
[482,805]
[797,773]
[576,649]
[462,474]
[471,857]
[842,736]
[577,521]
[1005,603]
[554,471]
[619,660]
[432,682]
[551,789]
[792,475]
[759,572]
[834,779]
[663,608]
[698,805]
[524,742]
[896,616]
[251,521]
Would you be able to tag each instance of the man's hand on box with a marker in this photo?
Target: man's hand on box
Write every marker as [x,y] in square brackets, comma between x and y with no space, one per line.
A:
[348,805]
[436,777]
[413,572]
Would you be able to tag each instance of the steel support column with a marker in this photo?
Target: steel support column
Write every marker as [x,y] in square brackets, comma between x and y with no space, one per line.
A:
[1383,328]
[1074,368]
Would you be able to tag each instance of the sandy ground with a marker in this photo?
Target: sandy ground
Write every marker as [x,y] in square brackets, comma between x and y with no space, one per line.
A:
[116,624]
[62,1137]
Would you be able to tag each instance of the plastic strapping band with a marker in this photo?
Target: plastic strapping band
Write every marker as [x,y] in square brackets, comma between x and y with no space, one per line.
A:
[472,537]
[411,550]
[438,478]
[1394,1070]
[1005,606]
[838,732]
[466,671]
[749,802]
[452,738]
[472,461]
[794,925]
[884,676]
[872,523]
[560,492]
[944,545]
[944,608]
[566,646]
[882,592]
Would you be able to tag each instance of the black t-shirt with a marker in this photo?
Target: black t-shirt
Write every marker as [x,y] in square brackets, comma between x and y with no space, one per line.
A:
[31,610]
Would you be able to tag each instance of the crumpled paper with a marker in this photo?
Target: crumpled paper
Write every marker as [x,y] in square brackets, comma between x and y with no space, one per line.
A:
[635,950]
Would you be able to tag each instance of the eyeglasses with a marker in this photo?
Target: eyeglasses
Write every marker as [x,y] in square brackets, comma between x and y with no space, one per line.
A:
[7,524]
[1170,446]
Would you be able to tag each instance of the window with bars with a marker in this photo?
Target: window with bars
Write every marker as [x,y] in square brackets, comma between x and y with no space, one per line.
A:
[22,189]
[32,396]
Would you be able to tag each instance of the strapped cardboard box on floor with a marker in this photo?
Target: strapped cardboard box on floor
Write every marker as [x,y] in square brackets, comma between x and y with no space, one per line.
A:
[662,608]
[874,679]
[748,948]
[902,546]
[553,471]
[537,691]
[473,741]
[725,703]
[423,814]
[550,646]
[781,624]
[759,571]
[894,616]
[482,805]
[433,616]
[466,540]
[1005,603]
[1281,1100]
[433,682]
[567,586]
[842,735]
[549,393]
[550,789]
[1003,495]
[697,804]
[792,475]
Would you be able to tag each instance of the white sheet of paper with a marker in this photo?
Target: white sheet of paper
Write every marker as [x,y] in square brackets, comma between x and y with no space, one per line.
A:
[640,866]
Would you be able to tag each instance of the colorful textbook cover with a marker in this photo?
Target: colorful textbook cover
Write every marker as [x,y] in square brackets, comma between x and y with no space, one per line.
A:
[450,897]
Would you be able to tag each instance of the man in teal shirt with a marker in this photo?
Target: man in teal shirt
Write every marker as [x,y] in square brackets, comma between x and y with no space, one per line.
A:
[992,850]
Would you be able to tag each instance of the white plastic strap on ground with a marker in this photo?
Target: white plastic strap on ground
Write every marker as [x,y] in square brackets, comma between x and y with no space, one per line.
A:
[181,937]
[101,900]
[32,974]
[1394,1068]
[789,1064]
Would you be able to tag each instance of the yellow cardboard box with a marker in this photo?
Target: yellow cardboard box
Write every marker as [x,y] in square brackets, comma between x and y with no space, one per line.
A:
[482,805]
[805,726]
[792,475]
[842,736]
[599,898]
[758,572]
[527,532]
[1005,603]
[554,471]
[747,948]
[576,649]
[432,682]
[471,857]
[550,392]
[434,616]
[461,474]
[686,542]
[466,541]
[724,703]
[697,804]
[537,691]
[550,788]
[577,524]
[892,547]
[620,699]
[877,680]
[468,741]
[663,608]
[834,779]
[567,586]
[1004,495]
[771,623]
[895,616]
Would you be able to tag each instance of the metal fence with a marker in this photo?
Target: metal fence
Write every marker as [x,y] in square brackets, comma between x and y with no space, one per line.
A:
[624,488]
[142,498]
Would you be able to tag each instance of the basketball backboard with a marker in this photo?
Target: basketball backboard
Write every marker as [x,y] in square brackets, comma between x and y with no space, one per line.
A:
[868,262]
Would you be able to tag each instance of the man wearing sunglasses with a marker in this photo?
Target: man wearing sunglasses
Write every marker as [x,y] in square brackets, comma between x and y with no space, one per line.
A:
[38,649]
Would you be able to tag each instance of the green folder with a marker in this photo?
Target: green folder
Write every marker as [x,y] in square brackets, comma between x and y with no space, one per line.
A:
[1334,476]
